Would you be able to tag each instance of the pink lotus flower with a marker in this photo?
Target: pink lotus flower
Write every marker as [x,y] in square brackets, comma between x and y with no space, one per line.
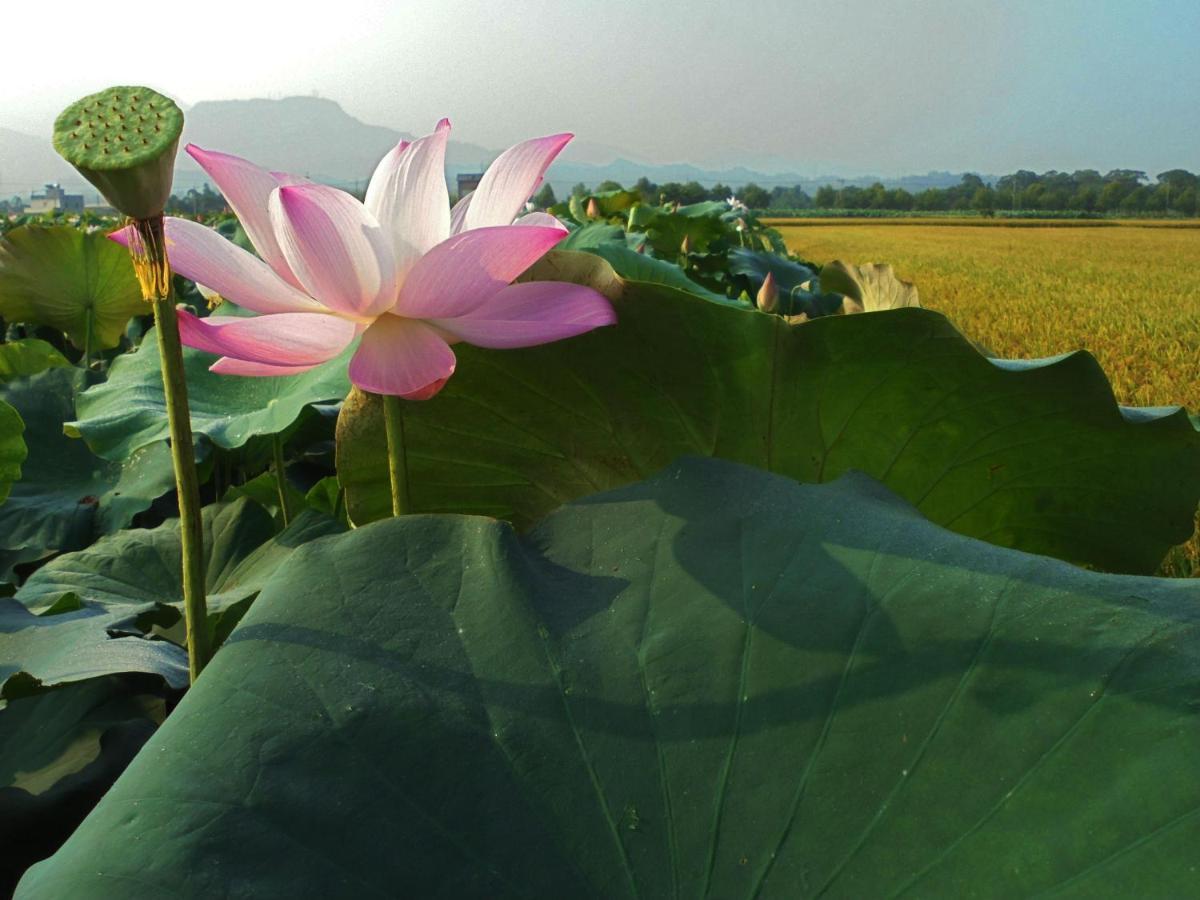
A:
[402,270]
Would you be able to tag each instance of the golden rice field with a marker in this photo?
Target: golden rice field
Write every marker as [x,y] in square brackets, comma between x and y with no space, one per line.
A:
[1128,292]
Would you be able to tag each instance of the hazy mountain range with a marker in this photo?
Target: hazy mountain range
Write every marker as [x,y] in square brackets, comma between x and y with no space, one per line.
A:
[315,137]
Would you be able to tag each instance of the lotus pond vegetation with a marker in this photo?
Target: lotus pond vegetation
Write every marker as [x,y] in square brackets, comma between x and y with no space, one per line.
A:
[616,550]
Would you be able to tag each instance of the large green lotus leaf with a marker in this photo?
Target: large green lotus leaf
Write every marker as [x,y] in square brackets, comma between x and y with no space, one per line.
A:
[719,683]
[28,357]
[617,263]
[88,641]
[11,559]
[580,268]
[666,229]
[639,267]
[593,235]
[128,411]
[67,496]
[140,566]
[59,752]
[12,448]
[68,279]
[1035,456]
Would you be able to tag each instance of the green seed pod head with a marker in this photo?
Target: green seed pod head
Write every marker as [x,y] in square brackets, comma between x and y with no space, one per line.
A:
[123,140]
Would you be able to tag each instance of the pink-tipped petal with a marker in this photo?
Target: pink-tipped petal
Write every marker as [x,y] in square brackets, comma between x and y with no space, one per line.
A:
[227,365]
[543,220]
[463,271]
[287,339]
[511,180]
[537,312]
[458,215]
[407,195]
[284,179]
[335,247]
[246,188]
[199,253]
[401,357]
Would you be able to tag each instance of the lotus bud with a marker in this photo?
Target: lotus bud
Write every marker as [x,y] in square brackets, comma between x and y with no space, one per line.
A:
[685,246]
[768,294]
[593,208]
[123,140]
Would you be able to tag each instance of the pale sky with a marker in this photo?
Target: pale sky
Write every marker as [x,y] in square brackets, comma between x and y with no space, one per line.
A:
[819,86]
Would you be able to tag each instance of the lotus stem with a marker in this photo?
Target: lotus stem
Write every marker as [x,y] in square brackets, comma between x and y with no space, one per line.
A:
[148,250]
[285,502]
[393,423]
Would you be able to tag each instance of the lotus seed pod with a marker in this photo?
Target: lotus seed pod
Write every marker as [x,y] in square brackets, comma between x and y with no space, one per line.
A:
[123,140]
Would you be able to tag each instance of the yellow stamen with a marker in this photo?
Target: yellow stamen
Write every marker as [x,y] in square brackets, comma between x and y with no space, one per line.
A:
[148,250]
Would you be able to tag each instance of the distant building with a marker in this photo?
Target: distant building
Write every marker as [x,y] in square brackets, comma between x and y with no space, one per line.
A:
[468,183]
[55,199]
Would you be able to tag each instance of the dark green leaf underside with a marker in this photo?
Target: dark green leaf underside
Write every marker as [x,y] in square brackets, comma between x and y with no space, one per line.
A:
[67,496]
[719,683]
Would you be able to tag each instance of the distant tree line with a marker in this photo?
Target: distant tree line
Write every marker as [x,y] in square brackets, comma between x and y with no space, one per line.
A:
[684,193]
[197,202]
[1086,190]
[1119,191]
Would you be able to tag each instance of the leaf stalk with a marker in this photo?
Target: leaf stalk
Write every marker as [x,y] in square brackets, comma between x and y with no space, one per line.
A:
[393,423]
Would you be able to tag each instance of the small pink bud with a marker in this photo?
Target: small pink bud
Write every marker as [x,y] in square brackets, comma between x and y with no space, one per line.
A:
[593,208]
[768,294]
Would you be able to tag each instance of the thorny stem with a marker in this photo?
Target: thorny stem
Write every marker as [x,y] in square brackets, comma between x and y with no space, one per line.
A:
[148,250]
[393,423]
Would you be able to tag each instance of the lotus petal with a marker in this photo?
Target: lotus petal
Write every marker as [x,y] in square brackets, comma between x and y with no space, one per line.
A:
[227,365]
[335,247]
[407,195]
[402,357]
[458,215]
[199,253]
[246,188]
[463,271]
[537,312]
[511,180]
[543,219]
[284,339]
